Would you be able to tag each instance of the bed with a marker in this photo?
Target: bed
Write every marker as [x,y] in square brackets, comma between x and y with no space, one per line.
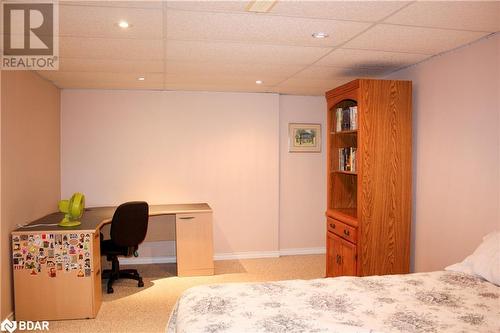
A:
[441,301]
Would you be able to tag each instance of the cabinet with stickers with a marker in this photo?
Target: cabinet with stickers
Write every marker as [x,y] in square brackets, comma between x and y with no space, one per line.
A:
[57,274]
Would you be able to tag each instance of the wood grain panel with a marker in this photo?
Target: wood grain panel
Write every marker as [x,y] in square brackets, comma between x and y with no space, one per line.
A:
[344,194]
[385,189]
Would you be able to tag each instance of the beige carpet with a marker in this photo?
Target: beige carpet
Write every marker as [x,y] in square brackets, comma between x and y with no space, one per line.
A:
[133,309]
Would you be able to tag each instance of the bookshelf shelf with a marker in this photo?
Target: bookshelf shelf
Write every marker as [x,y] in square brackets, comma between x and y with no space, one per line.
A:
[345,172]
[368,214]
[346,215]
[345,132]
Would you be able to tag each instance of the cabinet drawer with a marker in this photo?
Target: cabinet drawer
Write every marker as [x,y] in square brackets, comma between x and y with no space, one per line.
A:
[341,229]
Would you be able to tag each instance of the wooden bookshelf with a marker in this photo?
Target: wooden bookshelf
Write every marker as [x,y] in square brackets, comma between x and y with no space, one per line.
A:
[369,208]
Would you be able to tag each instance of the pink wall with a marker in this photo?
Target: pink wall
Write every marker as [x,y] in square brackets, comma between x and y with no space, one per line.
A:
[30,164]
[456,152]
[228,149]
[168,147]
[302,179]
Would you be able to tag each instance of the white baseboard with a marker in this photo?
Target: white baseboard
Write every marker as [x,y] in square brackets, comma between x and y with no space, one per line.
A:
[147,260]
[246,255]
[302,251]
[152,253]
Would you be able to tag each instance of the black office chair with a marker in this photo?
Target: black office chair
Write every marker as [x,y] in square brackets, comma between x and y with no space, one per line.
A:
[128,230]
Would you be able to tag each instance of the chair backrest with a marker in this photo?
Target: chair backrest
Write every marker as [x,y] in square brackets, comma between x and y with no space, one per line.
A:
[130,223]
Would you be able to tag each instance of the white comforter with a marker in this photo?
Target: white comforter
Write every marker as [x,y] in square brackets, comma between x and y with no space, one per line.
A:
[425,302]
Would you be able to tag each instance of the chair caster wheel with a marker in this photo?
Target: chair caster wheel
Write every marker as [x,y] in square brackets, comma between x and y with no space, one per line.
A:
[110,290]
[140,284]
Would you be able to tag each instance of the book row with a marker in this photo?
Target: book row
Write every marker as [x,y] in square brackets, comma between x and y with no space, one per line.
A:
[346,119]
[347,159]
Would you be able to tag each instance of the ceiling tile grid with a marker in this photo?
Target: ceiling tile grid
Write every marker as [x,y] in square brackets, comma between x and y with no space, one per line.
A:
[219,46]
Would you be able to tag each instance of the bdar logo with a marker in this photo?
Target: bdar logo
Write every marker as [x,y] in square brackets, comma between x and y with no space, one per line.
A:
[8,325]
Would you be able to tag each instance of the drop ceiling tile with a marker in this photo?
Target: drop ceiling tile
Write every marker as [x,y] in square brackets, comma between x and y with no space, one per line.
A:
[302,91]
[217,87]
[101,77]
[87,21]
[247,27]
[117,85]
[210,6]
[242,53]
[335,73]
[106,3]
[217,68]
[385,37]
[108,48]
[461,15]
[301,86]
[353,58]
[223,80]
[110,65]
[370,11]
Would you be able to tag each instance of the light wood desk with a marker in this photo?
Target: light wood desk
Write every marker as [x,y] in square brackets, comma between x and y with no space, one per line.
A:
[57,270]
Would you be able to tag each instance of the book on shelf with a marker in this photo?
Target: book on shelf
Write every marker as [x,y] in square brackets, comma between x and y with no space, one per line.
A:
[346,119]
[347,159]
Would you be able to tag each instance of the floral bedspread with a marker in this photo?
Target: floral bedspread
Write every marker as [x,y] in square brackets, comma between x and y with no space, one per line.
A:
[423,302]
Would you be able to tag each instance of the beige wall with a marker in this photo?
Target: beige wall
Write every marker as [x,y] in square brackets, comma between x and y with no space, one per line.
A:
[30,159]
[302,178]
[167,147]
[456,152]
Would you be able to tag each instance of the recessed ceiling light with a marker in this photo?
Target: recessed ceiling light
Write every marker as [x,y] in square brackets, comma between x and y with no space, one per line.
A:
[141,78]
[123,24]
[320,35]
[259,81]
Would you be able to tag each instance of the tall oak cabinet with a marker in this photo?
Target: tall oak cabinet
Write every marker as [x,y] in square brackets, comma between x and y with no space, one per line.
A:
[369,189]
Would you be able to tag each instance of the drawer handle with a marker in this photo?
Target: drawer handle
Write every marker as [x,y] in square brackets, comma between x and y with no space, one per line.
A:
[332,225]
[98,272]
[187,218]
[346,232]
[339,259]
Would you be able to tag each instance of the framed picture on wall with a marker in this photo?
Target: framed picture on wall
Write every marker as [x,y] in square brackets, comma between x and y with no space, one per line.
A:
[304,138]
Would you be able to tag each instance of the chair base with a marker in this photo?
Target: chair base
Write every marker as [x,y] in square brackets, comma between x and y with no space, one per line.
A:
[116,273]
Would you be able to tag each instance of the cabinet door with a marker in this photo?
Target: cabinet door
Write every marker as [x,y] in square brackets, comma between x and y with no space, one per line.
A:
[348,258]
[194,244]
[334,255]
[341,256]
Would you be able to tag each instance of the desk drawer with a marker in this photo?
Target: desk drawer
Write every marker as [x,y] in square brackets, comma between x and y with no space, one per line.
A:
[343,230]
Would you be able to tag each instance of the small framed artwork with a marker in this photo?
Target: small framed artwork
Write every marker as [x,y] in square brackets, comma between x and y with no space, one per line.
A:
[304,138]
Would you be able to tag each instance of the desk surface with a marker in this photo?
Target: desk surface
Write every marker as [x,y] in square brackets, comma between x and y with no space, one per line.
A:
[94,217]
